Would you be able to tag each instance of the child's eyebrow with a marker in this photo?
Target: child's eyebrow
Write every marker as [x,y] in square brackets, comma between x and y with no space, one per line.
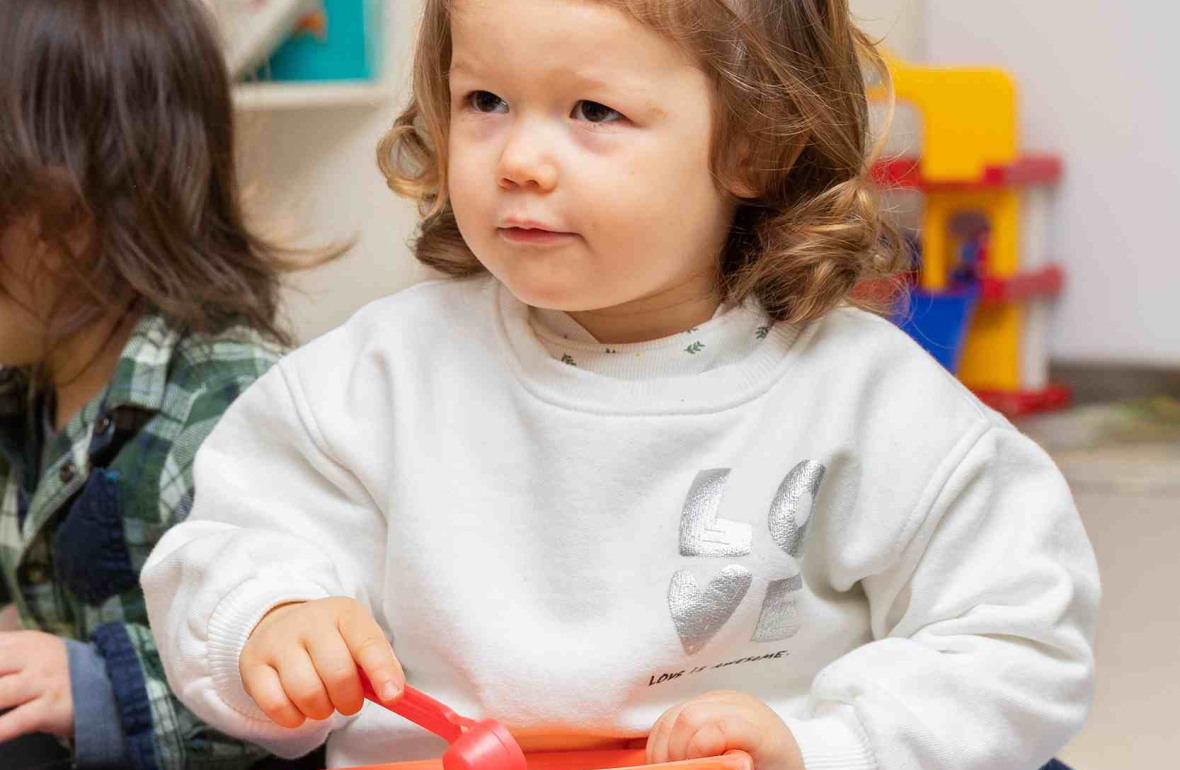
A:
[460,66]
[636,89]
[582,80]
[633,87]
[568,75]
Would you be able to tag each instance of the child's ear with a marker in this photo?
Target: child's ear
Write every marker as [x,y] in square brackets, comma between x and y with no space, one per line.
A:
[741,180]
[739,185]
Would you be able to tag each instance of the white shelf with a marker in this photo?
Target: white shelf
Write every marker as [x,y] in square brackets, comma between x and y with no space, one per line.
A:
[299,96]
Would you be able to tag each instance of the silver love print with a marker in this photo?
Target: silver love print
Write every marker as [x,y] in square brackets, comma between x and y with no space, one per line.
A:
[700,614]
[701,532]
[779,618]
[787,526]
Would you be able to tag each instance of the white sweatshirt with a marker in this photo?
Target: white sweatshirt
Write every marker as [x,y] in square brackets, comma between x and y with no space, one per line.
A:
[830,523]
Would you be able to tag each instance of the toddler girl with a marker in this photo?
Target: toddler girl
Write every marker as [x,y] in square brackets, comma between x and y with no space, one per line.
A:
[638,467]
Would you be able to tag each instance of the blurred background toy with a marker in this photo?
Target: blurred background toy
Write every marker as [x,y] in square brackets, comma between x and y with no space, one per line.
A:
[983,276]
[301,40]
[339,41]
[252,29]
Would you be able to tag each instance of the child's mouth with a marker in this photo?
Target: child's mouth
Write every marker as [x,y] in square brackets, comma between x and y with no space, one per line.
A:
[535,236]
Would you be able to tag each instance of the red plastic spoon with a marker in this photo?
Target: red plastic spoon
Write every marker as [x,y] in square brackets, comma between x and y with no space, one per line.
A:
[482,745]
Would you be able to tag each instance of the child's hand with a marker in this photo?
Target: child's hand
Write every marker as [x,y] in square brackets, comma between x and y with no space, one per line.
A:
[301,661]
[716,722]
[35,685]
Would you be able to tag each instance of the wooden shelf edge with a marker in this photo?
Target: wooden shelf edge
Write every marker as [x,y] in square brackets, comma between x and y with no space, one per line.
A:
[311,95]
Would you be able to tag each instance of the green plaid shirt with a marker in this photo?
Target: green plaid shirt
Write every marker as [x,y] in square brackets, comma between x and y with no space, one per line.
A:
[79,517]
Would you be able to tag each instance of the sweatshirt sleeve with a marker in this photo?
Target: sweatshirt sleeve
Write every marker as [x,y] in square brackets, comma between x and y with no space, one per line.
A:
[982,625]
[275,519]
[98,731]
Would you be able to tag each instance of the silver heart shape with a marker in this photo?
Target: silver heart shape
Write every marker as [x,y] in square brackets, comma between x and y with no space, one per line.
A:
[699,615]
[785,527]
[701,532]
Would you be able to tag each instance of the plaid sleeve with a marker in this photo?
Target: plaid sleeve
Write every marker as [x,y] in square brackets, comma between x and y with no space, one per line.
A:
[177,489]
[161,732]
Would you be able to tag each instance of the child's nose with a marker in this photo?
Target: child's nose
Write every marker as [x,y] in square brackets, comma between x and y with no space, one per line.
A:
[526,161]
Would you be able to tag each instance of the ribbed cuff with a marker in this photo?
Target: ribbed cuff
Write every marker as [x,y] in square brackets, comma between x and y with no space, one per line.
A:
[231,625]
[98,730]
[127,679]
[833,741]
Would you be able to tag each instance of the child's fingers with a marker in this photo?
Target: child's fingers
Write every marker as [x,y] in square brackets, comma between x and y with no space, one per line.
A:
[373,653]
[302,684]
[696,724]
[262,684]
[337,670]
[711,728]
[657,740]
[20,721]
[711,740]
[15,690]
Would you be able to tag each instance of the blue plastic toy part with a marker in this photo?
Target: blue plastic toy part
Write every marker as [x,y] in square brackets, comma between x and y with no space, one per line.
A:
[939,322]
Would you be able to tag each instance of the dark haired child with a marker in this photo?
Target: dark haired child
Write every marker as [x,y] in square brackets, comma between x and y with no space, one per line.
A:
[135,305]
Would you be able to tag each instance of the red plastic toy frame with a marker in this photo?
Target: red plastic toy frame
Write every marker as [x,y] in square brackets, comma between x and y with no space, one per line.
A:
[1028,170]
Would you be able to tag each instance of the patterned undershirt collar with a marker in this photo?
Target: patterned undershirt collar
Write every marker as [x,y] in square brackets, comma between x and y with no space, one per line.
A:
[731,335]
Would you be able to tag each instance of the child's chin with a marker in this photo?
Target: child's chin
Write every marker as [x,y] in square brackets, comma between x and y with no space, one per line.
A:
[549,295]
[546,299]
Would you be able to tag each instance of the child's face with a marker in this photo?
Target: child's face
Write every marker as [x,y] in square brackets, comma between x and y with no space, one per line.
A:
[21,344]
[571,117]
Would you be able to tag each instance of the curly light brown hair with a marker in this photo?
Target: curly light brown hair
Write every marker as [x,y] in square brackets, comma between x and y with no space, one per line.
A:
[788,80]
[117,139]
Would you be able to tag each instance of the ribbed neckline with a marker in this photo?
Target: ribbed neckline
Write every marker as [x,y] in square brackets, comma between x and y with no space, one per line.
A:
[732,334]
[574,388]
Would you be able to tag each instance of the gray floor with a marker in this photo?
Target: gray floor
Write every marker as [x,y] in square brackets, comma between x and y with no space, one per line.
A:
[1123,464]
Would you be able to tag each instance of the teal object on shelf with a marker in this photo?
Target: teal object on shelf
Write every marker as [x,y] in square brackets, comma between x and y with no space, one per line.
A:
[350,49]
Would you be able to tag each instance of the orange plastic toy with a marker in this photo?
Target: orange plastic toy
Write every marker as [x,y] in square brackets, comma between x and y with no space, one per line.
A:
[487,744]
[632,759]
[482,745]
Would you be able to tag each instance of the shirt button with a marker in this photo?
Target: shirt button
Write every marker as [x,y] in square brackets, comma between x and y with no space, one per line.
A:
[104,425]
[67,473]
[36,574]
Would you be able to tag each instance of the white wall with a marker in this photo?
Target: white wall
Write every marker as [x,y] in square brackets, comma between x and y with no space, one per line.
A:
[898,24]
[317,171]
[1098,85]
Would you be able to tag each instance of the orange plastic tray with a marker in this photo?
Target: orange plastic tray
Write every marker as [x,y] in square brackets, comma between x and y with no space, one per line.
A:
[595,760]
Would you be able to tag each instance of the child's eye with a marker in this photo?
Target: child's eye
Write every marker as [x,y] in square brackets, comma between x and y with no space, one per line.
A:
[593,112]
[486,101]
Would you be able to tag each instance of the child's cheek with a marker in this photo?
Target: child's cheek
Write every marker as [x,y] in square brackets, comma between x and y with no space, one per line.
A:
[471,176]
[474,143]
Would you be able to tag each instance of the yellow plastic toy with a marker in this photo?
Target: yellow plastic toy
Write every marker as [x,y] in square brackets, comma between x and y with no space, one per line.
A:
[970,161]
